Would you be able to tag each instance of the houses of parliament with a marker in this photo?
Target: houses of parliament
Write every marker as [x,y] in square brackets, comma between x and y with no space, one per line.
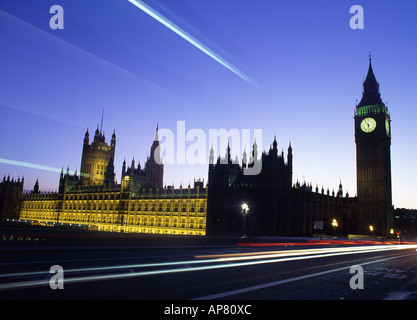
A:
[139,204]
[231,203]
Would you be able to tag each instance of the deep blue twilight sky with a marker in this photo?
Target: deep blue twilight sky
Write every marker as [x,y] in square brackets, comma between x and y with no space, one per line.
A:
[307,62]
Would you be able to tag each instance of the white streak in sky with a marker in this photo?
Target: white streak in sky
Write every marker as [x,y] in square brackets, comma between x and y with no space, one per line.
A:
[170,25]
[35,166]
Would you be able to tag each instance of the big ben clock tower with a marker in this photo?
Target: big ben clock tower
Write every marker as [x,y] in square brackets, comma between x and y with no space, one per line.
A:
[373,160]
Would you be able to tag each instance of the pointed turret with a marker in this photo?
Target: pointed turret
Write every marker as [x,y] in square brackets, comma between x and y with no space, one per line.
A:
[86,138]
[244,159]
[289,155]
[113,143]
[340,191]
[154,168]
[275,144]
[156,133]
[132,167]
[255,151]
[228,155]
[289,164]
[36,187]
[124,168]
[155,155]
[274,148]
[371,94]
[109,175]
[211,157]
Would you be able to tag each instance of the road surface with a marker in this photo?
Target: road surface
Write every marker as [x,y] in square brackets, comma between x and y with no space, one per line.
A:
[239,272]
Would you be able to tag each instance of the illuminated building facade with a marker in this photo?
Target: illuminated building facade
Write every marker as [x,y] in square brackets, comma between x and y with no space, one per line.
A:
[110,208]
[139,204]
[97,161]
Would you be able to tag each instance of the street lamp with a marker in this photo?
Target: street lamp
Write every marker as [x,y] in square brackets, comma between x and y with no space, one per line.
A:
[371,229]
[335,225]
[245,210]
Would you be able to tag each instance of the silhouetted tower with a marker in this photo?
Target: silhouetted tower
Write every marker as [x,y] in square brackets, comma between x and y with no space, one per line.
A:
[373,159]
[36,187]
[154,168]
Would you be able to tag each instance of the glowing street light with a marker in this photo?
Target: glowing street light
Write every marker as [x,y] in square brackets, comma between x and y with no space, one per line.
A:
[245,209]
[335,225]
[371,229]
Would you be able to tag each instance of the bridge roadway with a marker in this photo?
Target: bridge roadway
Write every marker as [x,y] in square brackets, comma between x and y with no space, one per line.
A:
[238,270]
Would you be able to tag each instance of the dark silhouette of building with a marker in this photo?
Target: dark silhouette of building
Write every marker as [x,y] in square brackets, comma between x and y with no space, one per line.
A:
[151,176]
[405,223]
[270,204]
[10,193]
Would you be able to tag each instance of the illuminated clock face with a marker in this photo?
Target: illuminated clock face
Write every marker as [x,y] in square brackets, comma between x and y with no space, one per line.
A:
[387,125]
[368,125]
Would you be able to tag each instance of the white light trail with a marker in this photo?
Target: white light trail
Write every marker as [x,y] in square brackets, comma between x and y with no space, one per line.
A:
[183,34]
[292,255]
[288,280]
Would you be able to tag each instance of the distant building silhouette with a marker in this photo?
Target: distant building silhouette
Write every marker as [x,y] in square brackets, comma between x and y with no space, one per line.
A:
[277,206]
[10,194]
[405,223]
[151,176]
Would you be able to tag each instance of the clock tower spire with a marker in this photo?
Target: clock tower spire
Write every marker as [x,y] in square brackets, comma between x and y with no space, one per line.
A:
[373,160]
[371,94]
